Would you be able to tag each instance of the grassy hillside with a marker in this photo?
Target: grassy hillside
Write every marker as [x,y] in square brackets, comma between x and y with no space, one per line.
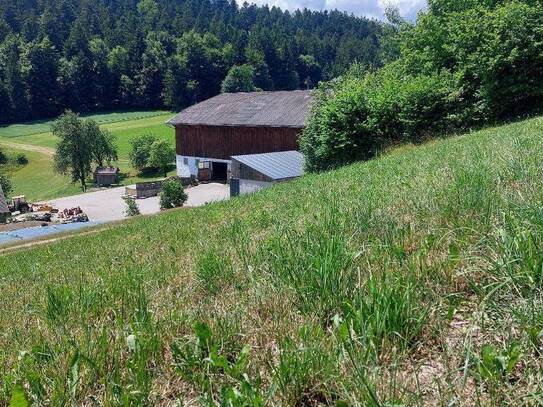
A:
[39,148]
[411,279]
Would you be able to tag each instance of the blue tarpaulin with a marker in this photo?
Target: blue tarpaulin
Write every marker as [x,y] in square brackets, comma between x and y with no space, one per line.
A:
[36,232]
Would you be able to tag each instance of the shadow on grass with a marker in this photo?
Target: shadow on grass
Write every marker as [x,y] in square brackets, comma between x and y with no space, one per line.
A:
[149,174]
[155,172]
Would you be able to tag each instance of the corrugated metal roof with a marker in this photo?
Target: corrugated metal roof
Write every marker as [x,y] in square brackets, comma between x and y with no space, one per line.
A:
[277,166]
[3,204]
[269,109]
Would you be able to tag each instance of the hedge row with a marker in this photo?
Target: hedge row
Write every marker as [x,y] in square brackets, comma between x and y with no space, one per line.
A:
[457,67]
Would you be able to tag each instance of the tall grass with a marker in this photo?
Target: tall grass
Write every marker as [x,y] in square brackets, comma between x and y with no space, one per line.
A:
[411,279]
[316,263]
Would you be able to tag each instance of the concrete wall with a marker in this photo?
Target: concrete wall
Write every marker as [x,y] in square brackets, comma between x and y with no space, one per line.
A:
[187,165]
[144,189]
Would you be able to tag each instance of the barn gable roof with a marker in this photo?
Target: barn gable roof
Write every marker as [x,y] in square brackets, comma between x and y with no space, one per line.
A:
[3,204]
[249,109]
[276,166]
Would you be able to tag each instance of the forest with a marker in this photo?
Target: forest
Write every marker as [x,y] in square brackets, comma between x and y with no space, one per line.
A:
[102,55]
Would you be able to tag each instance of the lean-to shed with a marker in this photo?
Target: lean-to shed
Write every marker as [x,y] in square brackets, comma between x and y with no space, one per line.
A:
[256,171]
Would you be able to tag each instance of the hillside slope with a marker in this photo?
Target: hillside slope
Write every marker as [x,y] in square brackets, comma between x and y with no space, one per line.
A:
[414,278]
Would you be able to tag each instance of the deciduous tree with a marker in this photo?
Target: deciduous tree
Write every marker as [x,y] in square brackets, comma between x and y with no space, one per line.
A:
[140,150]
[239,79]
[5,184]
[74,150]
[161,156]
[104,149]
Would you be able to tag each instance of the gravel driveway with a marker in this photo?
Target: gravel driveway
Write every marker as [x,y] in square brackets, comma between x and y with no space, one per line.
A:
[107,205]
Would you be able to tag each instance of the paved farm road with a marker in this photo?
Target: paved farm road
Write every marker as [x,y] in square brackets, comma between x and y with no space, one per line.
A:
[107,205]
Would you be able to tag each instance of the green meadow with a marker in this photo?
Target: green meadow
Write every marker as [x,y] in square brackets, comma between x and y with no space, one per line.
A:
[44,126]
[38,181]
[411,279]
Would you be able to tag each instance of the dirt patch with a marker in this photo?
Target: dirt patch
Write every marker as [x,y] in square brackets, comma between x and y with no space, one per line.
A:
[441,375]
[28,147]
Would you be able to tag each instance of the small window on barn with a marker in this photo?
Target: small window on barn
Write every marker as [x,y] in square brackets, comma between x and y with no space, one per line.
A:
[185,161]
[204,165]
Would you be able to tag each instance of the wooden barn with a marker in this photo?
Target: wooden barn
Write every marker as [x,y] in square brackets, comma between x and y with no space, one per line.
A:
[209,133]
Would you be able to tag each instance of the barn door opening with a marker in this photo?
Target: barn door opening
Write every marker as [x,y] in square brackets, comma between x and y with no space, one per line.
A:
[220,171]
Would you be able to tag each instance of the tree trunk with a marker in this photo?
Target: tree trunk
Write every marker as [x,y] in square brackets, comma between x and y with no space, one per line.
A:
[83,182]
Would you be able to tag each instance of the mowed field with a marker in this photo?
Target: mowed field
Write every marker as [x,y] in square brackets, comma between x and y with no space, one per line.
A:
[413,279]
[38,181]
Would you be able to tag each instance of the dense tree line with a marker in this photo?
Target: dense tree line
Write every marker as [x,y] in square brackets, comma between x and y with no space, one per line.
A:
[463,64]
[90,55]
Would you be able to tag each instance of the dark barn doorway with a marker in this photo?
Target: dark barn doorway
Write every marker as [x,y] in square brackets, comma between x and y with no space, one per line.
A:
[220,171]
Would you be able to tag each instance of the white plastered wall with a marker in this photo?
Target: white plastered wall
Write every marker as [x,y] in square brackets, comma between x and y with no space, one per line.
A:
[187,166]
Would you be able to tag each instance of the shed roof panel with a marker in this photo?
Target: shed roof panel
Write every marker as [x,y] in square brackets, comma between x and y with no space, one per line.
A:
[277,166]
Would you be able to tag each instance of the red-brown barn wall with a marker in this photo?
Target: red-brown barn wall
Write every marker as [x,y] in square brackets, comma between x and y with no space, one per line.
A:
[224,142]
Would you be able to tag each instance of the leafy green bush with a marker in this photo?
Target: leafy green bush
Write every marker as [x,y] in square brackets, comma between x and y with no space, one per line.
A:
[131,206]
[140,150]
[494,49]
[336,133]
[239,79]
[21,159]
[354,117]
[161,156]
[459,66]
[5,183]
[173,194]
